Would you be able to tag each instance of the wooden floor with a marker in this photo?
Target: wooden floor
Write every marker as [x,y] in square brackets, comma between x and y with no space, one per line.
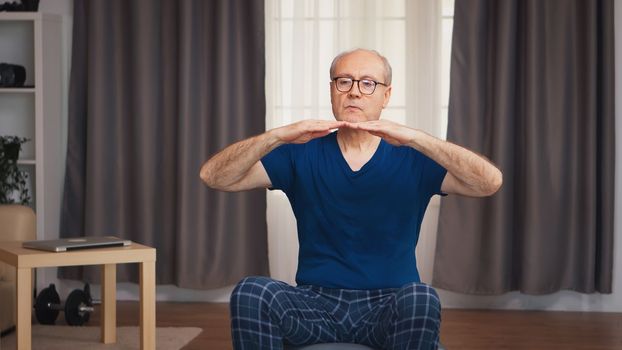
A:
[460,329]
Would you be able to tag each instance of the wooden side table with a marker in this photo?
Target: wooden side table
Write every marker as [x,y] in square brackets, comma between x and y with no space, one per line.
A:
[25,260]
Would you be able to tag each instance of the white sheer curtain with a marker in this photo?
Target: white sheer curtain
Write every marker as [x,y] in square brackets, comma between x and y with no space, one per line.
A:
[303,36]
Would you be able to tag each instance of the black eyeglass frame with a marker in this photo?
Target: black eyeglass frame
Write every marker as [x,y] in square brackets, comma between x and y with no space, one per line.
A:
[376,83]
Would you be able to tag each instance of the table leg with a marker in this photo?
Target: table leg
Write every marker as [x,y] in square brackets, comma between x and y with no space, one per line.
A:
[147,305]
[109,304]
[24,308]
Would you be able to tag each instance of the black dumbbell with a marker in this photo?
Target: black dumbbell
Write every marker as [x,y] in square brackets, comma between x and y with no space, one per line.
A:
[45,305]
[77,308]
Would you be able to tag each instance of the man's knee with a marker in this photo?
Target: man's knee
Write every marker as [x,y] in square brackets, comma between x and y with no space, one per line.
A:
[417,300]
[253,292]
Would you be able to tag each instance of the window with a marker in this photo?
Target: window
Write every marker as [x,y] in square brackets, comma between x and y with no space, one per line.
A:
[304,36]
[447,23]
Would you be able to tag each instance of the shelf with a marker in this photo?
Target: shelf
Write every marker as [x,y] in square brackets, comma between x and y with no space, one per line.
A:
[18,90]
[21,16]
[34,40]
[26,162]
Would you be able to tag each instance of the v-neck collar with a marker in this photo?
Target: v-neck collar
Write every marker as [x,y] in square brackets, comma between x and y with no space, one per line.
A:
[365,166]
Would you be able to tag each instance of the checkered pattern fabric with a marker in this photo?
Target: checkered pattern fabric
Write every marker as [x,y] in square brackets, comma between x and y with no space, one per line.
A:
[266,313]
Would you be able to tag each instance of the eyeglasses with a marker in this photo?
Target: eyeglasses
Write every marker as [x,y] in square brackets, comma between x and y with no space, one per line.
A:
[366,86]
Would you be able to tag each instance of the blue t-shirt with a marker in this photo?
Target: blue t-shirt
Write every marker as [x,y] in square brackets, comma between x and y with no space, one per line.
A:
[356,229]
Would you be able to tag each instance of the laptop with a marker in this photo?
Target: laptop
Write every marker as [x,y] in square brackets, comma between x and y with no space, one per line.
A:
[68,244]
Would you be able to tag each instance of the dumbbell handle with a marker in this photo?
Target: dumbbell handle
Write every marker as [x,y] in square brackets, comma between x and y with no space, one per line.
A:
[57,307]
[86,309]
[82,308]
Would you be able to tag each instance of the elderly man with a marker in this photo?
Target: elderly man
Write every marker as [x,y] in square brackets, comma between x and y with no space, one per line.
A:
[359,187]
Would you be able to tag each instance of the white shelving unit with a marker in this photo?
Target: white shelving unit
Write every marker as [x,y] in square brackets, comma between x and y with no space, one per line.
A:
[33,40]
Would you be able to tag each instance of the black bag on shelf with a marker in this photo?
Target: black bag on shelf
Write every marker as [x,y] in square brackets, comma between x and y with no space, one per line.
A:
[12,75]
[24,5]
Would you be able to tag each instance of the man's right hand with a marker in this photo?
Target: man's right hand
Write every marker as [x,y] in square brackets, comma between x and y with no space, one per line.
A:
[305,130]
[238,167]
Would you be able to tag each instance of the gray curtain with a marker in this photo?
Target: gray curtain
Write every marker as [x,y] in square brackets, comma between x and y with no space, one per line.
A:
[156,88]
[532,88]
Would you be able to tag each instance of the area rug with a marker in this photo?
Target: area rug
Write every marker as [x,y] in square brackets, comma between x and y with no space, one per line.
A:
[87,338]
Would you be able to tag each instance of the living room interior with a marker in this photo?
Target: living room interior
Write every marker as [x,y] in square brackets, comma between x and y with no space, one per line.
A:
[123,101]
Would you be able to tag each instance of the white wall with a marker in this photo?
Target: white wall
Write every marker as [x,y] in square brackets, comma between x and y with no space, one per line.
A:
[283,246]
[64,8]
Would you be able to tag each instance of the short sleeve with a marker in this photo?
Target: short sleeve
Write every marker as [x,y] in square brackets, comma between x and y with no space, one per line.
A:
[279,165]
[433,176]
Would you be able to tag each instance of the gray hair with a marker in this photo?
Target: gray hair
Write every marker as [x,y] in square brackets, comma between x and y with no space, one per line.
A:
[387,66]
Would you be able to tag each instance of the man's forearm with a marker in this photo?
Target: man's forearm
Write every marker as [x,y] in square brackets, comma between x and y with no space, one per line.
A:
[232,168]
[231,164]
[471,169]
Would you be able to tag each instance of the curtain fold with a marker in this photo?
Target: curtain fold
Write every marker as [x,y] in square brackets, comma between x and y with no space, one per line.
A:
[156,88]
[532,88]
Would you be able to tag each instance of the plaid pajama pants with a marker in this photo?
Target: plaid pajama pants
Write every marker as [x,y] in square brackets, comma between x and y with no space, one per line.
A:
[266,314]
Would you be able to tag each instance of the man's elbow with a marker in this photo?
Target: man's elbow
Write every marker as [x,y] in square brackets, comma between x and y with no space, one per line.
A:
[211,178]
[207,176]
[495,183]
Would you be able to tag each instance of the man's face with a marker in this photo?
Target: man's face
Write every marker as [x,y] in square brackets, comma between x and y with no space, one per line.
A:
[354,106]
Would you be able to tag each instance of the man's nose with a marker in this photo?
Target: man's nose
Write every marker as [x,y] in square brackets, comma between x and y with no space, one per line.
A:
[354,91]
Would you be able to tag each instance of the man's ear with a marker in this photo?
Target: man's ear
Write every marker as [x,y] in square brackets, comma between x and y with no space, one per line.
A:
[387,96]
